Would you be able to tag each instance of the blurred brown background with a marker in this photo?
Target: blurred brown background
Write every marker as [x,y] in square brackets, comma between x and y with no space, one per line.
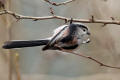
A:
[51,65]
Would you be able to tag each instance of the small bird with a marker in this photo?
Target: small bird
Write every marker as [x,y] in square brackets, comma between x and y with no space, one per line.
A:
[67,37]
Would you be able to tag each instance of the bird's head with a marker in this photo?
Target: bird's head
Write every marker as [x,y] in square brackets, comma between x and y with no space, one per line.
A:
[82,32]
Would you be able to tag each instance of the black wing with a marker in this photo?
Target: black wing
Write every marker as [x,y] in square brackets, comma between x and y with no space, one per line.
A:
[56,38]
[61,37]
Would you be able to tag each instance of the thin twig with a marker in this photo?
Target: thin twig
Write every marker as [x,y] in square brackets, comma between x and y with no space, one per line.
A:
[52,11]
[112,18]
[88,57]
[18,17]
[58,4]
[92,18]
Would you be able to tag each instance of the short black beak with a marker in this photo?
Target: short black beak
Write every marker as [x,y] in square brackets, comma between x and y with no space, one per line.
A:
[88,33]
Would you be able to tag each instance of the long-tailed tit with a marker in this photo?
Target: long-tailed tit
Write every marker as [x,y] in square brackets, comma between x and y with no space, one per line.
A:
[66,37]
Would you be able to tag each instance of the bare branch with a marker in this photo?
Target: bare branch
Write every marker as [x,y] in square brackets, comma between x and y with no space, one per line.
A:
[58,4]
[18,17]
[88,57]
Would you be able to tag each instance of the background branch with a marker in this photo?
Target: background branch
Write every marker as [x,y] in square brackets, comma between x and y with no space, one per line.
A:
[19,17]
[88,57]
[17,67]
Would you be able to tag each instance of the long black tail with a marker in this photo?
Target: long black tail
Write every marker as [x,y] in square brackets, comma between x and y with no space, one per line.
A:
[22,44]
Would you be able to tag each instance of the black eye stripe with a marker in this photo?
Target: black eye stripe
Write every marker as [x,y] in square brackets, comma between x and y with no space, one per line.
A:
[83,27]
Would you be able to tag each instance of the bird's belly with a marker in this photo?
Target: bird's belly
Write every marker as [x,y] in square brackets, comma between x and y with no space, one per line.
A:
[70,44]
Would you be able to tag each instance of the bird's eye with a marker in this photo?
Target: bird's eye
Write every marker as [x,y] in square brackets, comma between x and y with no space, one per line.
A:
[84,29]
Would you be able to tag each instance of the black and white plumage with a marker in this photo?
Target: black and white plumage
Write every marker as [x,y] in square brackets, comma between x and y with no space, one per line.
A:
[65,37]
